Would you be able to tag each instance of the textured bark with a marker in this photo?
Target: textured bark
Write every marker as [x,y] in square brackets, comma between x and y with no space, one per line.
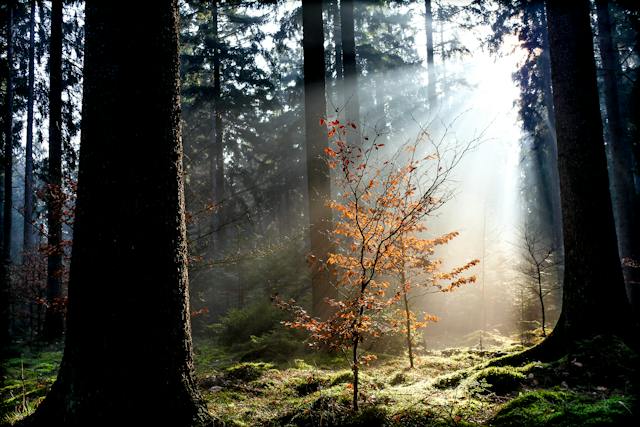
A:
[621,155]
[552,177]
[217,167]
[352,100]
[334,8]
[428,25]
[318,175]
[5,251]
[54,318]
[28,228]
[594,300]
[127,359]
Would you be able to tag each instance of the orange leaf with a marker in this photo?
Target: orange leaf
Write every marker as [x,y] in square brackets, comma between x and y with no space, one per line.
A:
[329,152]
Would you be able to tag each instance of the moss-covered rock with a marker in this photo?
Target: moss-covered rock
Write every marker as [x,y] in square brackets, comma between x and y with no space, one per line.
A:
[500,380]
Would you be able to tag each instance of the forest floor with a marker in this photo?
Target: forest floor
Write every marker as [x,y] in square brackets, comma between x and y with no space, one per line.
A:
[452,387]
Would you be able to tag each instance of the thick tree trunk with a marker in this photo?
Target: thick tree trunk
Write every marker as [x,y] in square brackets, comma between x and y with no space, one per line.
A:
[54,319]
[352,100]
[28,229]
[594,300]
[621,155]
[127,357]
[7,192]
[318,176]
[431,84]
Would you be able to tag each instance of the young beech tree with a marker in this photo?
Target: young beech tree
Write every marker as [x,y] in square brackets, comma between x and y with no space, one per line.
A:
[419,274]
[539,269]
[378,203]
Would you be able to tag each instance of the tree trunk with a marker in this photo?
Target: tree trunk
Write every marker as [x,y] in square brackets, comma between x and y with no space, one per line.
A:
[407,314]
[217,167]
[621,168]
[337,44]
[431,84]
[318,176]
[355,369]
[54,318]
[352,100]
[127,356]
[594,300]
[7,193]
[541,298]
[552,157]
[28,229]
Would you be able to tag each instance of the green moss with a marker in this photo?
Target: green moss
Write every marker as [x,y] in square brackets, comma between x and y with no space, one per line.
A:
[399,378]
[563,409]
[451,380]
[342,377]
[247,371]
[310,384]
[500,380]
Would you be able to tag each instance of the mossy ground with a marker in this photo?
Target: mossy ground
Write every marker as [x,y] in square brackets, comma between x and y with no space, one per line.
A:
[453,387]
[28,378]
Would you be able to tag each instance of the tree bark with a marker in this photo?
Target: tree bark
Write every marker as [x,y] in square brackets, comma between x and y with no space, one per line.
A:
[334,8]
[28,229]
[318,174]
[594,300]
[54,317]
[352,100]
[217,166]
[431,84]
[7,193]
[127,356]
[621,155]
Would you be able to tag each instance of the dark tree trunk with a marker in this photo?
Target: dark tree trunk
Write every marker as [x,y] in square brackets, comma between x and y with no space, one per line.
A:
[7,192]
[428,18]
[318,176]
[553,179]
[127,356]
[337,53]
[594,300]
[217,149]
[621,155]
[28,229]
[347,28]
[54,318]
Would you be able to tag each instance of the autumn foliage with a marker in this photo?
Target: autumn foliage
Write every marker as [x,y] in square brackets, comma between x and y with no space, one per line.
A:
[380,253]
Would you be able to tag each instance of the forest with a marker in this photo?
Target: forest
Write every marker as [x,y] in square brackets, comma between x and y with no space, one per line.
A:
[319,213]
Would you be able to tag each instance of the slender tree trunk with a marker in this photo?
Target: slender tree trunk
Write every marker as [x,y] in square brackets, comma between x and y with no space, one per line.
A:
[337,51]
[127,357]
[318,174]
[217,167]
[541,298]
[621,155]
[54,317]
[352,100]
[431,84]
[28,230]
[5,252]
[356,370]
[593,280]
[407,314]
